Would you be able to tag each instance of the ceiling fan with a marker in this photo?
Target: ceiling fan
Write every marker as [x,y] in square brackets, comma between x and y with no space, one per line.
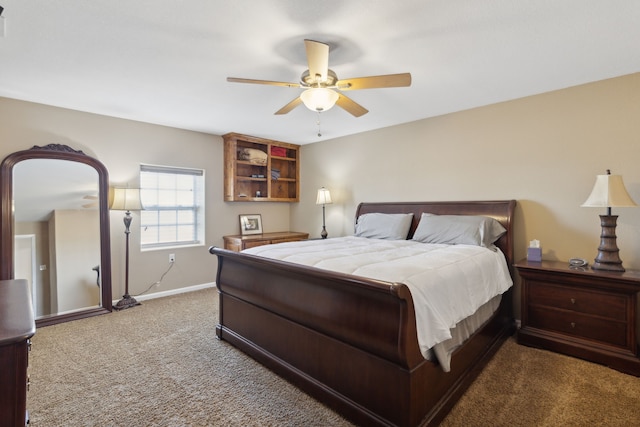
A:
[322,86]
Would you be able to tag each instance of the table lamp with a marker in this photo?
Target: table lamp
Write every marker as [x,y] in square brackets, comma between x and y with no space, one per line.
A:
[608,192]
[324,198]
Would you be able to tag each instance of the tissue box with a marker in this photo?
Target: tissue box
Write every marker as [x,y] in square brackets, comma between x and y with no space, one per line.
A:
[534,254]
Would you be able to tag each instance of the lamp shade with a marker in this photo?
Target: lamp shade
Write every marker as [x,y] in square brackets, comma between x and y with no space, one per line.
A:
[126,199]
[324,197]
[319,99]
[609,191]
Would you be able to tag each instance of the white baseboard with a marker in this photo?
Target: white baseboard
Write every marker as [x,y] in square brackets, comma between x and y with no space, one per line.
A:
[172,292]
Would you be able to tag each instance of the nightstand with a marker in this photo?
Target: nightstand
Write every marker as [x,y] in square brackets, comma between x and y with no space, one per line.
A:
[581,312]
[238,242]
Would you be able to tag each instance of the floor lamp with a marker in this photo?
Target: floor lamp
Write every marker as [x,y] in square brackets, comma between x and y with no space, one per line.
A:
[608,192]
[324,198]
[126,199]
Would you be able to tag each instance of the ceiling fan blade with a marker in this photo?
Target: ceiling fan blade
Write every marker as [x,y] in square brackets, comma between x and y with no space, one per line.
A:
[290,106]
[351,106]
[318,59]
[262,82]
[372,82]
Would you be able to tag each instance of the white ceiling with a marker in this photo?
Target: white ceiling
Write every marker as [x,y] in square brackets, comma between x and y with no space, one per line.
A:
[166,62]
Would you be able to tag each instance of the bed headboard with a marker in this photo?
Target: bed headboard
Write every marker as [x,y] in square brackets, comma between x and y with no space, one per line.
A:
[502,210]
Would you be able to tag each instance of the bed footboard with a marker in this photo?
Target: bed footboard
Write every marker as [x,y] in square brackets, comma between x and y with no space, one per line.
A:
[368,314]
[350,342]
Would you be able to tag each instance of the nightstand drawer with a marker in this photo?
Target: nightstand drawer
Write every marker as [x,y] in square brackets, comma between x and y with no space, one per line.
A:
[248,245]
[578,325]
[274,241]
[610,306]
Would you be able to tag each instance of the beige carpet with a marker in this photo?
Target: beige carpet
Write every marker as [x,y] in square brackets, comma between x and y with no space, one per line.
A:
[522,386]
[160,364]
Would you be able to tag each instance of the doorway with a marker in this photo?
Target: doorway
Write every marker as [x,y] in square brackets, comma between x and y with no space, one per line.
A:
[25,263]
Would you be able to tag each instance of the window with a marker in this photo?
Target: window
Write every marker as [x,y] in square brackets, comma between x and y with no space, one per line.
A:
[173,200]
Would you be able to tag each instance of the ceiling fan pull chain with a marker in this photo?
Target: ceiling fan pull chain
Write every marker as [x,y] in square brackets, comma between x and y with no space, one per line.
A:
[318,123]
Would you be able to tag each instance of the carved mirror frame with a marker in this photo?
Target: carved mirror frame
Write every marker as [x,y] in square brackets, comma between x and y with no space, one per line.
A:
[56,152]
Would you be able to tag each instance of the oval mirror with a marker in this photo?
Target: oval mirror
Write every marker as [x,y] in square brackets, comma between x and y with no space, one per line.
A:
[55,231]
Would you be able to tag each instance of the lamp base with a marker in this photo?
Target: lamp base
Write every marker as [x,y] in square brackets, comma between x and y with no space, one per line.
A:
[324,233]
[607,265]
[127,301]
[608,258]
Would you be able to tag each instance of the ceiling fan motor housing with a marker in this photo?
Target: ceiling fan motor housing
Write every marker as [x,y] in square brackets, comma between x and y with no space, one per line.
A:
[307,80]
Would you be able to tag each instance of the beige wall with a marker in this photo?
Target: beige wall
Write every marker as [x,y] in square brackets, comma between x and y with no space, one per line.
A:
[544,151]
[122,145]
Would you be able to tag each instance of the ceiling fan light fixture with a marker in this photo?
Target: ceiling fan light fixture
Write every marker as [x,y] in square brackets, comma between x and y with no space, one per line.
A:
[319,99]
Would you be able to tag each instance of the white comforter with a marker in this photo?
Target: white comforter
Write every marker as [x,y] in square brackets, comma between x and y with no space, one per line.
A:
[447,282]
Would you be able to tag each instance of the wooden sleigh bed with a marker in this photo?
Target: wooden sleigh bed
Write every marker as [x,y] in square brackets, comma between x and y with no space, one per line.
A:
[349,341]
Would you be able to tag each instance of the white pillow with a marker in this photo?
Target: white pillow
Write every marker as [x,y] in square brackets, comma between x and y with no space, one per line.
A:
[458,230]
[384,226]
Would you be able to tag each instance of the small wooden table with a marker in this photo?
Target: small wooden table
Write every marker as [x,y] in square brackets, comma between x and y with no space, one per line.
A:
[239,242]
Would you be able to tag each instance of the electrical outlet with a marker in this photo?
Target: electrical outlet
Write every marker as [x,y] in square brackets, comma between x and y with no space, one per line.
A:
[172,257]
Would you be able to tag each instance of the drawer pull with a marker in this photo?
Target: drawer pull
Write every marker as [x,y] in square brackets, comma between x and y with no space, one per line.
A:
[573,324]
[573,300]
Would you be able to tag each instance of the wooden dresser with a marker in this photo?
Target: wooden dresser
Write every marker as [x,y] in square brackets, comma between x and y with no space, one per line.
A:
[238,242]
[17,326]
[581,312]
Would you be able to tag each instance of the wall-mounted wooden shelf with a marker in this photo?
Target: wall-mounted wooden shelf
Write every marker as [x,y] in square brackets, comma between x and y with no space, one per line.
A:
[271,178]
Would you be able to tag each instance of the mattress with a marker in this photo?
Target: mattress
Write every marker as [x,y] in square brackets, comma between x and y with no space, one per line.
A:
[443,351]
[448,283]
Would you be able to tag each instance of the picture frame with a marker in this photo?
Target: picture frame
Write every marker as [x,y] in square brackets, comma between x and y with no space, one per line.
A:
[250,224]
